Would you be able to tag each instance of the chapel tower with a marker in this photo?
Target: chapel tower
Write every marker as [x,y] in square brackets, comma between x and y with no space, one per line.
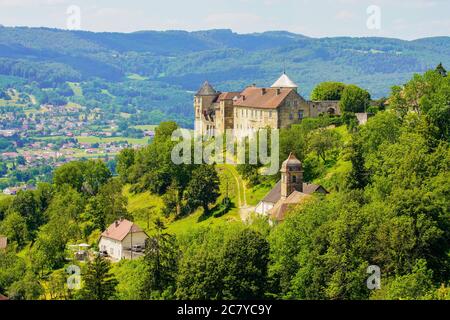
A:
[291,176]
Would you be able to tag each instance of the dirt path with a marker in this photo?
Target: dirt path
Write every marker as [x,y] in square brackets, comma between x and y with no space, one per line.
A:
[244,209]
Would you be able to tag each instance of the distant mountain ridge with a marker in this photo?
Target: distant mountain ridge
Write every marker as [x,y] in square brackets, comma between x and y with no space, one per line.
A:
[227,59]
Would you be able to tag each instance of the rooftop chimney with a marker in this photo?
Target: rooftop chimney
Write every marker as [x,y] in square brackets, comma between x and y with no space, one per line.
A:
[278,91]
[263,91]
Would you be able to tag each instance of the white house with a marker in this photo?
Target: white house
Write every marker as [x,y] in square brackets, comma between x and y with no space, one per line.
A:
[119,239]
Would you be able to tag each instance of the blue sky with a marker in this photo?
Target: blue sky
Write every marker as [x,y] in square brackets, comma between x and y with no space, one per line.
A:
[406,19]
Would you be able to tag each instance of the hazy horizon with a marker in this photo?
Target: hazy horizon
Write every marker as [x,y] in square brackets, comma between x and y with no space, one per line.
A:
[399,19]
[223,29]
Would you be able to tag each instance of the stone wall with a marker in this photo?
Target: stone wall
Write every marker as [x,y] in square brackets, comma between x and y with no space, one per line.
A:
[292,111]
[323,107]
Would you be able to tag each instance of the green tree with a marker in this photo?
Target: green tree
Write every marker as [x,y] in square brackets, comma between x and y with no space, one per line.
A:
[71,173]
[204,187]
[98,282]
[44,195]
[12,268]
[125,160]
[246,257]
[428,95]
[26,205]
[83,176]
[354,99]
[5,204]
[21,160]
[106,207]
[417,285]
[328,91]
[441,70]
[14,227]
[201,269]
[358,176]
[27,288]
[96,174]
[161,259]
[164,131]
[57,285]
[322,141]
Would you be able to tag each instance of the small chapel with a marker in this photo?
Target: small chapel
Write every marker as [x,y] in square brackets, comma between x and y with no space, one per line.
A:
[288,192]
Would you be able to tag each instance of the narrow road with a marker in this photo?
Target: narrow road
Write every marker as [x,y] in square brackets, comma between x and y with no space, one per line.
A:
[244,210]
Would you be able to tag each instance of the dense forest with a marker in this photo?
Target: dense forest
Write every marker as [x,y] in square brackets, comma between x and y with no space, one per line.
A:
[152,75]
[390,208]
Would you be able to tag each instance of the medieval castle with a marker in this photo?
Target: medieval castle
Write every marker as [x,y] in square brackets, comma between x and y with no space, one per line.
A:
[255,108]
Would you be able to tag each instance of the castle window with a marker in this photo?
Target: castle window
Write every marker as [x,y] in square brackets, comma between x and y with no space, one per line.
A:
[294,179]
[300,114]
[291,116]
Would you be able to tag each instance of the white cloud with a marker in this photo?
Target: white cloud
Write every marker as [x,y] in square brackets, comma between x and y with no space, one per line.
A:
[30,3]
[238,21]
[344,15]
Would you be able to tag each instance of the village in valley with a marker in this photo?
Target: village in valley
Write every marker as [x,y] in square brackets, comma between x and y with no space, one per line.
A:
[34,142]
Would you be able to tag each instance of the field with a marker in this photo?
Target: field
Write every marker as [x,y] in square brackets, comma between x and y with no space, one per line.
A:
[76,88]
[92,139]
[146,127]
[146,207]
[136,77]
[4,196]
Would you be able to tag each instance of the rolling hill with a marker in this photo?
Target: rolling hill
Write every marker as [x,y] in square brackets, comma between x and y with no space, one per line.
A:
[173,62]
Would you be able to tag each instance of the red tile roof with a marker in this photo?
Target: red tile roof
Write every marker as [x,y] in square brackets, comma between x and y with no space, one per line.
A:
[271,98]
[278,212]
[275,194]
[120,229]
[228,95]
[3,298]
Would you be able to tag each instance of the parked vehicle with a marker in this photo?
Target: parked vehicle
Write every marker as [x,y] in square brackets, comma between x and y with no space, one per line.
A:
[137,248]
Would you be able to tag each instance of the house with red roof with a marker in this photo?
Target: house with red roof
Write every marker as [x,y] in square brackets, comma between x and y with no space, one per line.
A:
[123,240]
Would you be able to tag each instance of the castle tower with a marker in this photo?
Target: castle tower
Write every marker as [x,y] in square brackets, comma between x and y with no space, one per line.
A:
[204,111]
[285,82]
[291,176]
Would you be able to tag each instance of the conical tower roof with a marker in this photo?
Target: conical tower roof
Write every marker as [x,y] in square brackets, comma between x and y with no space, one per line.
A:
[284,82]
[291,161]
[207,90]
